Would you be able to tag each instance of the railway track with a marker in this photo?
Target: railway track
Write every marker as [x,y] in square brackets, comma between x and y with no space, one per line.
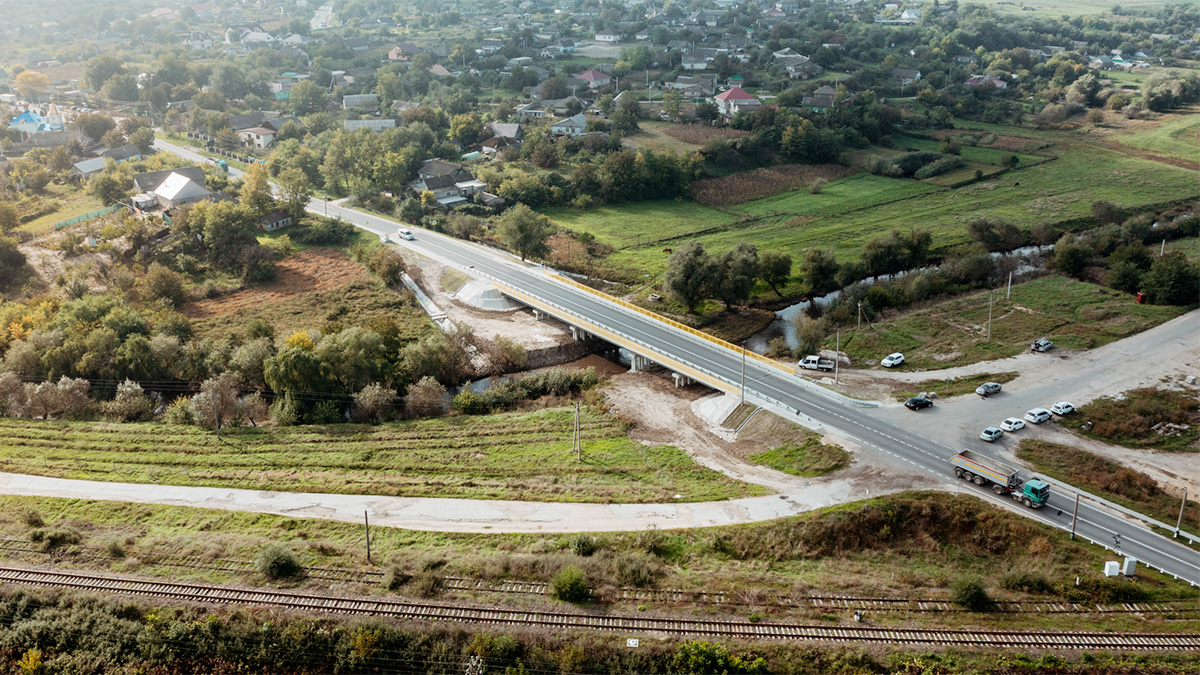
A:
[629,625]
[1177,609]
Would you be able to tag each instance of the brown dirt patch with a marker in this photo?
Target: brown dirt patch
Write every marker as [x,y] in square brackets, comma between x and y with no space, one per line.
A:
[699,134]
[1012,143]
[743,187]
[314,269]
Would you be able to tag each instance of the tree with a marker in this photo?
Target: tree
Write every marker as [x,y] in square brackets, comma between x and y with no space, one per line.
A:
[671,104]
[10,218]
[374,401]
[995,234]
[525,231]
[1107,213]
[426,398]
[969,593]
[30,83]
[466,128]
[737,271]
[93,125]
[294,370]
[109,187]
[306,97]
[689,274]
[819,269]
[162,283]
[698,656]
[296,192]
[554,88]
[706,111]
[143,139]
[776,269]
[217,403]
[130,404]
[100,69]
[120,88]
[256,190]
[1173,280]
[1070,256]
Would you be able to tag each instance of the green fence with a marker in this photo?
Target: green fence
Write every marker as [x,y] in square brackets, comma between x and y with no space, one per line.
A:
[87,216]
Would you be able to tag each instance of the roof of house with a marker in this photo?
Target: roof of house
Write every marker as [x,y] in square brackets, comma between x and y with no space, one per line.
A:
[735,94]
[90,165]
[439,70]
[259,131]
[239,122]
[178,186]
[149,182]
[439,181]
[278,122]
[122,153]
[575,122]
[593,76]
[438,167]
[360,100]
[506,129]
[273,217]
[906,73]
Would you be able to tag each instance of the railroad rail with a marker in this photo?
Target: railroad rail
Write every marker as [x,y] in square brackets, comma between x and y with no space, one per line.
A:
[1176,609]
[629,625]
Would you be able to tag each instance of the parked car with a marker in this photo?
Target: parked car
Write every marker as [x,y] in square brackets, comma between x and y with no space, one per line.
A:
[987,389]
[918,402]
[1037,415]
[892,360]
[991,434]
[1062,408]
[1012,424]
[1041,345]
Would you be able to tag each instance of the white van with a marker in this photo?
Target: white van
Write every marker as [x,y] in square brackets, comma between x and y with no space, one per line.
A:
[407,234]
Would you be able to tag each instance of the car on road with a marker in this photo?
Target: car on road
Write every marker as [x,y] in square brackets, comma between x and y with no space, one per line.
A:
[991,434]
[918,402]
[987,389]
[1037,415]
[892,360]
[1012,424]
[407,234]
[1062,408]
[1041,345]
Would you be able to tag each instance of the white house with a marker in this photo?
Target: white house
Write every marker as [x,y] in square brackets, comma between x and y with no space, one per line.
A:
[609,35]
[257,137]
[730,101]
[572,126]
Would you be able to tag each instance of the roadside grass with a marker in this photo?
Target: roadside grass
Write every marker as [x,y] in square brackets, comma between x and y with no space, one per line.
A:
[1130,421]
[807,459]
[739,416]
[947,388]
[907,545]
[1127,487]
[1177,137]
[75,202]
[517,455]
[1074,314]
[355,303]
[452,280]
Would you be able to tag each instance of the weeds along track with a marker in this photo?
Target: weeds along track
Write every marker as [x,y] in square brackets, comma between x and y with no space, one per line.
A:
[1174,609]
[649,626]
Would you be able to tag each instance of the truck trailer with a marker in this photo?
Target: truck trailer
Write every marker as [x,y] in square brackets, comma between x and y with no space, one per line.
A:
[1005,479]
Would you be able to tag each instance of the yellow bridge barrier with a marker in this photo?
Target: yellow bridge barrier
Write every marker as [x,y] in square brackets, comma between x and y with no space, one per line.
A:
[592,327]
[681,326]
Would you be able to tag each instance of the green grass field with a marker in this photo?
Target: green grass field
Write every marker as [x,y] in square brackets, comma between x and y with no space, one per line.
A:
[850,212]
[523,456]
[1178,137]
[1074,314]
[1057,8]
[810,458]
[75,202]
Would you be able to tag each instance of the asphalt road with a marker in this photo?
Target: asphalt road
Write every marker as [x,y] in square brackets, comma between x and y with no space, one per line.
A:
[769,385]
[784,393]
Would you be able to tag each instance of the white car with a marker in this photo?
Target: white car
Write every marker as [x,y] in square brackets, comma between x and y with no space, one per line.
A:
[892,360]
[1037,415]
[1012,424]
[406,234]
[1062,408]
[991,434]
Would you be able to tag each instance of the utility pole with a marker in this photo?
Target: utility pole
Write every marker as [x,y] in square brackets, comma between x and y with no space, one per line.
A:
[1179,521]
[1162,249]
[859,317]
[578,440]
[989,331]
[743,387]
[1075,515]
[1009,295]
[367,527]
[837,356]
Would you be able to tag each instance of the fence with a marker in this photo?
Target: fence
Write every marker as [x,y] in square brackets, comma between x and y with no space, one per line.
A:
[87,216]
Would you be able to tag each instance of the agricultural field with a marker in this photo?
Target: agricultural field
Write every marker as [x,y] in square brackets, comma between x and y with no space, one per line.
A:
[908,545]
[1127,487]
[1057,8]
[850,212]
[518,455]
[1074,314]
[314,287]
[1176,136]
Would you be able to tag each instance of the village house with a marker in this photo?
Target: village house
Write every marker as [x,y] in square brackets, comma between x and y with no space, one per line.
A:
[732,101]
[171,188]
[572,126]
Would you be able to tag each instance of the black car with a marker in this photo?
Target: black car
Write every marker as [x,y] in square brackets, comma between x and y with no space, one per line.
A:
[918,402]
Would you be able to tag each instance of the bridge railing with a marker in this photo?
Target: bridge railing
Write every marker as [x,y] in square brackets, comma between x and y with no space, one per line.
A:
[681,326]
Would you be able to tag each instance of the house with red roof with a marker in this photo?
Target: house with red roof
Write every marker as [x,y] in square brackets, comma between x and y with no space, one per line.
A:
[735,99]
[595,79]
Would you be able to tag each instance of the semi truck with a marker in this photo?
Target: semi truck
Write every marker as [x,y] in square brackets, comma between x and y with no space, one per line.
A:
[1005,479]
[816,363]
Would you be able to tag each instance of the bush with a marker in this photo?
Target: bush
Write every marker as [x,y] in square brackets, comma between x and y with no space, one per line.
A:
[180,411]
[504,396]
[569,585]
[426,583]
[969,593]
[394,577]
[583,544]
[55,538]
[1026,582]
[277,562]
[284,411]
[637,570]
[326,232]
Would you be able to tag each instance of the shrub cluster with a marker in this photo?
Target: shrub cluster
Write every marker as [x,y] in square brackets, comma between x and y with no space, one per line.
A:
[506,395]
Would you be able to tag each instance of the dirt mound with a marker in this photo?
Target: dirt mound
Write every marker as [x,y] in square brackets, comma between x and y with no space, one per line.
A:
[314,269]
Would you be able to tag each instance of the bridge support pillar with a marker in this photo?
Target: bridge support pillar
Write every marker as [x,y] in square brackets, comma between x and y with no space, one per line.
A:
[579,334]
[681,380]
[639,363]
[537,314]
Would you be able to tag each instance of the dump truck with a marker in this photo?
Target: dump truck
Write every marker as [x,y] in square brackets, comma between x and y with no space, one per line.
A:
[1005,479]
[816,363]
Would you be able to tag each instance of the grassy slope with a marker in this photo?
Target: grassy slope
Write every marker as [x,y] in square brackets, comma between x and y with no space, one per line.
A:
[810,458]
[1074,314]
[1178,137]
[522,456]
[850,212]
